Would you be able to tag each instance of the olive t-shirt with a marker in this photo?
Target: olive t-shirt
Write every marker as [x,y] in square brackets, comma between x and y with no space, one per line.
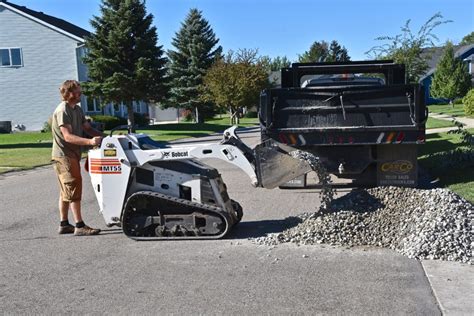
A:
[64,115]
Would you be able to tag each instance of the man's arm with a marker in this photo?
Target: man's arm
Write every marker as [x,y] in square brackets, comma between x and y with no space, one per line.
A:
[90,130]
[69,137]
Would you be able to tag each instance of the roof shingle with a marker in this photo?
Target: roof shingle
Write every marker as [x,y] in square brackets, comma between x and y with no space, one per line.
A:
[59,23]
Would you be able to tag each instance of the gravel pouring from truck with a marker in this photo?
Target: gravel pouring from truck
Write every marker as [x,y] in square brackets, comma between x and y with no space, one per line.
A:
[360,118]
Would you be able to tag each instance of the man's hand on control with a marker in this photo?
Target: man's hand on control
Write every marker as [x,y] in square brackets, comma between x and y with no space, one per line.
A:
[95,141]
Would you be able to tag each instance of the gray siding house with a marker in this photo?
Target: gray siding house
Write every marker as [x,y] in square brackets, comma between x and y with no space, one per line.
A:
[37,53]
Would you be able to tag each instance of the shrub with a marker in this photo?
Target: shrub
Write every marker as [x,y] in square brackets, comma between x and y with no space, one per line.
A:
[109,121]
[187,115]
[251,114]
[457,101]
[141,119]
[468,102]
[47,125]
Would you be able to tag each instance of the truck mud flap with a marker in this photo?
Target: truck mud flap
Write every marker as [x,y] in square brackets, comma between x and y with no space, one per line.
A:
[397,165]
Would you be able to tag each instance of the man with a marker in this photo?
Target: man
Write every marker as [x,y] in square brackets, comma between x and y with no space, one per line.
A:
[68,125]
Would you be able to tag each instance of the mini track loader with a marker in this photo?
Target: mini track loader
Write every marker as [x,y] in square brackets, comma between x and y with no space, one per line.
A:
[157,191]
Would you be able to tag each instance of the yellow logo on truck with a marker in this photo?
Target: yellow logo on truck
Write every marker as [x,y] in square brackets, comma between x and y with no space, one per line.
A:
[398,167]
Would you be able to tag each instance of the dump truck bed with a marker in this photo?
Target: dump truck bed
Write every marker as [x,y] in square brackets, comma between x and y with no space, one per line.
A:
[344,115]
[360,118]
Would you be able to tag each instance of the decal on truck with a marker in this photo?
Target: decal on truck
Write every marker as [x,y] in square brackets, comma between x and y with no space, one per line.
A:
[397,167]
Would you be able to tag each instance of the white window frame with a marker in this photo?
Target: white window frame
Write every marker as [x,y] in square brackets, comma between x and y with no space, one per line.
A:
[10,57]
[95,105]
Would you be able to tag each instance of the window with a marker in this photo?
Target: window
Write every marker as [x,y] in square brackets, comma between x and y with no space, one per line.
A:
[10,57]
[93,105]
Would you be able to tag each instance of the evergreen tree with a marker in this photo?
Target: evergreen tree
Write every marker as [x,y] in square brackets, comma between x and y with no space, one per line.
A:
[275,64]
[451,78]
[124,62]
[325,52]
[195,53]
[279,62]
[468,39]
[337,53]
[318,52]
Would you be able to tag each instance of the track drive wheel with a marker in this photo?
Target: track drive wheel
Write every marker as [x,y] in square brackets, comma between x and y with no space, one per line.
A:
[238,210]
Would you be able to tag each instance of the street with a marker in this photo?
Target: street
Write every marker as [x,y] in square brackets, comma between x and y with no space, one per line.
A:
[46,273]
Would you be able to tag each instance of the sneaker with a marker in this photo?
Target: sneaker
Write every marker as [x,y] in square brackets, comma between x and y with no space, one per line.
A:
[86,231]
[69,229]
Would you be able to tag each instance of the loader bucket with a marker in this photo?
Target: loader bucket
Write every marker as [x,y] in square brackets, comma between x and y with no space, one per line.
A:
[274,166]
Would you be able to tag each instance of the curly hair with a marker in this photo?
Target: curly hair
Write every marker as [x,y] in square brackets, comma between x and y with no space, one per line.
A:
[67,89]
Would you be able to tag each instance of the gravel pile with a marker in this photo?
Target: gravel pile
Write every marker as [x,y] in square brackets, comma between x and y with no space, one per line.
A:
[423,224]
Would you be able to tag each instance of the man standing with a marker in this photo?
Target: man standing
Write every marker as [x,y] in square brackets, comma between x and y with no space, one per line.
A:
[67,127]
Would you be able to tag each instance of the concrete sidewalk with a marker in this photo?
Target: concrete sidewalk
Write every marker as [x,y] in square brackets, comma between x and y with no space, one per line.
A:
[466,121]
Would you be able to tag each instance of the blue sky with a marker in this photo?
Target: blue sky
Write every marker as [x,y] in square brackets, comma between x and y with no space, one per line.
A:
[287,28]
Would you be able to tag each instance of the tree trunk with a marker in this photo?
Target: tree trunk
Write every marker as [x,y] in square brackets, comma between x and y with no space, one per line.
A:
[231,118]
[199,118]
[131,119]
[451,103]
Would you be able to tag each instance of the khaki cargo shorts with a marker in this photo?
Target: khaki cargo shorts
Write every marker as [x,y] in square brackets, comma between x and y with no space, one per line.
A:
[68,171]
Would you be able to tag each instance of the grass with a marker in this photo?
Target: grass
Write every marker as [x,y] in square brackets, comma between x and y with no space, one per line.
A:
[26,150]
[169,132]
[438,123]
[457,110]
[458,177]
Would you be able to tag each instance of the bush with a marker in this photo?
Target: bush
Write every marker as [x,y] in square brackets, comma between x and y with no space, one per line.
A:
[109,121]
[47,125]
[458,101]
[468,102]
[187,116]
[141,119]
[251,114]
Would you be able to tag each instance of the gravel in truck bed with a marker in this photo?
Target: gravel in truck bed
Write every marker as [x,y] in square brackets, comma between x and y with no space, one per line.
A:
[422,224]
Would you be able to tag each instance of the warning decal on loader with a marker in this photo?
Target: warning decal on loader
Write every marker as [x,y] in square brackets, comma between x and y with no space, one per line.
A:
[105,166]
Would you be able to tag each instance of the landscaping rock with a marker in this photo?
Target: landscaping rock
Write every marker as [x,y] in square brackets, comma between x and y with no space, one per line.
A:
[422,224]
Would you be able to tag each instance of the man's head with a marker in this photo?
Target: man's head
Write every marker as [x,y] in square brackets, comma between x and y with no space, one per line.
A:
[71,91]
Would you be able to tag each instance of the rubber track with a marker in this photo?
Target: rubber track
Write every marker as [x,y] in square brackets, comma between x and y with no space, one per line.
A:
[198,207]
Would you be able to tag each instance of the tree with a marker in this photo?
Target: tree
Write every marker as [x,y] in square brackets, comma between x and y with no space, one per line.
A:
[318,52]
[451,78]
[276,63]
[235,81]
[468,39]
[337,53]
[409,48]
[195,53]
[124,62]
[324,52]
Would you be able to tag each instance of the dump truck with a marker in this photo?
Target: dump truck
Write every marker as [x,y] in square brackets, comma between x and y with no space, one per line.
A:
[361,118]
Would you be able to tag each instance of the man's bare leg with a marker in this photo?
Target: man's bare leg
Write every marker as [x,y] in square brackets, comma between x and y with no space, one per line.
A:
[63,210]
[76,211]
[81,228]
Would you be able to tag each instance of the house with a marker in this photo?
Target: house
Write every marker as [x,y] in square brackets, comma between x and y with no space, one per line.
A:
[465,53]
[37,53]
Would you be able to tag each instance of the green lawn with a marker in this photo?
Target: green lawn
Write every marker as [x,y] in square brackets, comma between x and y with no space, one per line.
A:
[457,110]
[453,172]
[438,123]
[169,132]
[26,150]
